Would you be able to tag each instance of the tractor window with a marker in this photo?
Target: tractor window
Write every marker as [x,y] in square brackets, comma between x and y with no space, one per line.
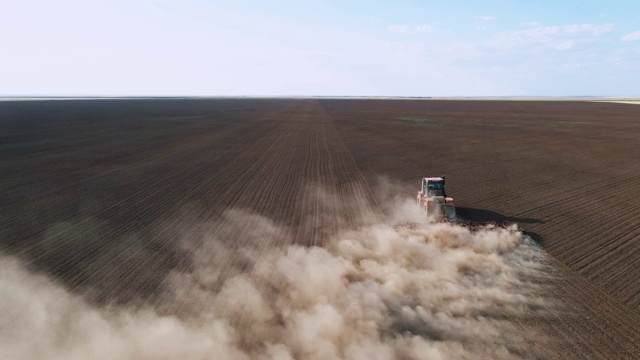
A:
[435,189]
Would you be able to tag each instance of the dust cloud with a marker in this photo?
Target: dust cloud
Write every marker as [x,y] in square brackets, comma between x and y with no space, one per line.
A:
[399,288]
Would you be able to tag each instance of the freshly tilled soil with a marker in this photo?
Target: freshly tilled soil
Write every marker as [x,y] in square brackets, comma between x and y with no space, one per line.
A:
[96,193]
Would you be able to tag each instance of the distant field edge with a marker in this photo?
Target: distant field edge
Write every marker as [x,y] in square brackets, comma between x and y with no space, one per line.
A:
[628,100]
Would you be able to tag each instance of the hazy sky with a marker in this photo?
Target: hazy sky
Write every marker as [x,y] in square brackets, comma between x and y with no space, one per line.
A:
[341,47]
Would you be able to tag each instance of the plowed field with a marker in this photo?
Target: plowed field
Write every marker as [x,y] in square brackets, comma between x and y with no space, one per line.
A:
[113,201]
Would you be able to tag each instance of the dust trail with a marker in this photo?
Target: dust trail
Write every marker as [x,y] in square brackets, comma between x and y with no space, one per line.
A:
[379,291]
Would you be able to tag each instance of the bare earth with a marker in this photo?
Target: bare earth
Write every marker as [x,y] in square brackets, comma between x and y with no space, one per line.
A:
[99,194]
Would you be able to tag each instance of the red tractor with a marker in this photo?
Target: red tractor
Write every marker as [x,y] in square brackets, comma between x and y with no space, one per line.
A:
[434,201]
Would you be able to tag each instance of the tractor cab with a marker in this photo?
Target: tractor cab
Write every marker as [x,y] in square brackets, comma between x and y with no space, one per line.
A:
[433,187]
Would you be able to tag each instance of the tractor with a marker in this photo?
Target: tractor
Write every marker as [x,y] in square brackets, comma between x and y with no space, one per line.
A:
[432,198]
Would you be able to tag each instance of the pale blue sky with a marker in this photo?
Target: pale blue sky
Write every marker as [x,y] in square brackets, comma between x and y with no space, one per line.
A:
[341,47]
